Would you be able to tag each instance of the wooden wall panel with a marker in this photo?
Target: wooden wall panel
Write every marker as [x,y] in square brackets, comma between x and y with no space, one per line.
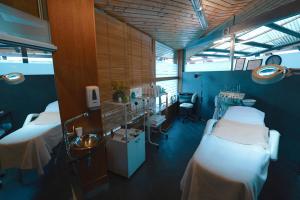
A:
[75,59]
[28,6]
[72,25]
[124,54]
[180,61]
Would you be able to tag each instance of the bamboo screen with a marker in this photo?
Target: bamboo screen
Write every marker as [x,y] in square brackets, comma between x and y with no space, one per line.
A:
[124,54]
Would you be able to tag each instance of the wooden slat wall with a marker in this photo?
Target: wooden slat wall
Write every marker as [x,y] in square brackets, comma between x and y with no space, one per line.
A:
[124,54]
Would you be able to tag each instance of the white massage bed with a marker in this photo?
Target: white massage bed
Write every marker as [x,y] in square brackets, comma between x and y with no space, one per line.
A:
[223,169]
[30,147]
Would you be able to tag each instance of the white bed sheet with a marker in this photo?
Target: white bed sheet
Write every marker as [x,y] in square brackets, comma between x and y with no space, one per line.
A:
[30,147]
[225,170]
[221,169]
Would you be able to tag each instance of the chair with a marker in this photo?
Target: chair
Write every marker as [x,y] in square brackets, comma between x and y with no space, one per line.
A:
[187,105]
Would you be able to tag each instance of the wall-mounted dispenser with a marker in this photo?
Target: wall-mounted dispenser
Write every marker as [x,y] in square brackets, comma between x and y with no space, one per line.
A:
[92,97]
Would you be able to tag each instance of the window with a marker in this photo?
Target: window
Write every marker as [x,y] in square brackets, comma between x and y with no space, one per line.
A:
[250,45]
[14,55]
[26,61]
[207,64]
[166,71]
[171,87]
[10,54]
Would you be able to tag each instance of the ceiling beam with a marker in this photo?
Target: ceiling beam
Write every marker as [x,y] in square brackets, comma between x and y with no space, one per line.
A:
[283,30]
[255,44]
[284,11]
[5,46]
[213,55]
[281,12]
[226,51]
[276,48]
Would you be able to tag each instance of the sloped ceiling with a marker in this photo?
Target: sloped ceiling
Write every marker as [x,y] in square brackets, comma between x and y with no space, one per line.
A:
[174,23]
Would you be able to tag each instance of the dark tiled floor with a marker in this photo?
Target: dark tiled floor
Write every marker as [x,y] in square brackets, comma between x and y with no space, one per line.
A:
[53,185]
[283,181]
[160,175]
[158,178]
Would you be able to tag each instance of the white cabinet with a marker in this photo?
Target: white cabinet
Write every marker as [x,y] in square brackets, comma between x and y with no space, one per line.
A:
[124,158]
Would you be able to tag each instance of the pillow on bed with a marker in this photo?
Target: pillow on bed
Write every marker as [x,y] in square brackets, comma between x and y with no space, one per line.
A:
[245,114]
[46,118]
[52,107]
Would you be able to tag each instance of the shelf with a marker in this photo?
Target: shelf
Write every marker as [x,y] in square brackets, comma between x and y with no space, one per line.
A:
[120,135]
[115,114]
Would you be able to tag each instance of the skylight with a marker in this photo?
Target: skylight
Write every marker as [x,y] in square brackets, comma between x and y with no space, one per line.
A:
[288,20]
[252,34]
[273,36]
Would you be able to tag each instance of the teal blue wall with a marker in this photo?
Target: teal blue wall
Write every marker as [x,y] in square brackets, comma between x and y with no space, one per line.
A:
[31,96]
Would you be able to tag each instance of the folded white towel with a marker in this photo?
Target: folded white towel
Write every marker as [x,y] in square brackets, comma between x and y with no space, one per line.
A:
[249,134]
[47,118]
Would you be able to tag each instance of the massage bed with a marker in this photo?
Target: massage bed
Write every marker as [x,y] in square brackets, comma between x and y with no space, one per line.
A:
[231,162]
[30,147]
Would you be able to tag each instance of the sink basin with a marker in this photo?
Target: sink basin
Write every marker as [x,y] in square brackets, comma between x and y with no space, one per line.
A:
[84,142]
[249,102]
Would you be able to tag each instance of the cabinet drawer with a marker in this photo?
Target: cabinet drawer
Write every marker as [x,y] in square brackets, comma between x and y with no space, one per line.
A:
[140,149]
[136,153]
[126,158]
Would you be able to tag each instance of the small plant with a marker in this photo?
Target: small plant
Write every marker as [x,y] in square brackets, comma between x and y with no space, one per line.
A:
[119,89]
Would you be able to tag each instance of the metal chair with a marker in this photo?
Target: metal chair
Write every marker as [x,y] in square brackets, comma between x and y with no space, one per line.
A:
[187,105]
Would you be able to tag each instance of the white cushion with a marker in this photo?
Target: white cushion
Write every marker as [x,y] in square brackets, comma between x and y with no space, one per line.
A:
[47,118]
[245,114]
[194,98]
[52,107]
[186,105]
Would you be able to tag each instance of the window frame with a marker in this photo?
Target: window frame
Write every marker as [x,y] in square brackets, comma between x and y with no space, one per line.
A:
[167,78]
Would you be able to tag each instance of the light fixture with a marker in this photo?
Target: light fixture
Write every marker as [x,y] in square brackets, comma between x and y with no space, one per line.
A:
[13,78]
[272,73]
[197,6]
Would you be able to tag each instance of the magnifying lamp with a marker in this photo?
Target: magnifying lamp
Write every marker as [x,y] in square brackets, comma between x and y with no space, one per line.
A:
[13,78]
[272,73]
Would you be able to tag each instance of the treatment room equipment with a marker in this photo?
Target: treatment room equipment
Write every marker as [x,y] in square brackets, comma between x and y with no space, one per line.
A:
[272,73]
[232,159]
[155,99]
[30,147]
[13,78]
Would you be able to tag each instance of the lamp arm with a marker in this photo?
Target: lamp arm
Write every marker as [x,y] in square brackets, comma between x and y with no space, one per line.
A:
[293,71]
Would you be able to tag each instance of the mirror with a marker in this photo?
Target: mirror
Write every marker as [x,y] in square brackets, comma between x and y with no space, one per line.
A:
[272,73]
[13,78]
